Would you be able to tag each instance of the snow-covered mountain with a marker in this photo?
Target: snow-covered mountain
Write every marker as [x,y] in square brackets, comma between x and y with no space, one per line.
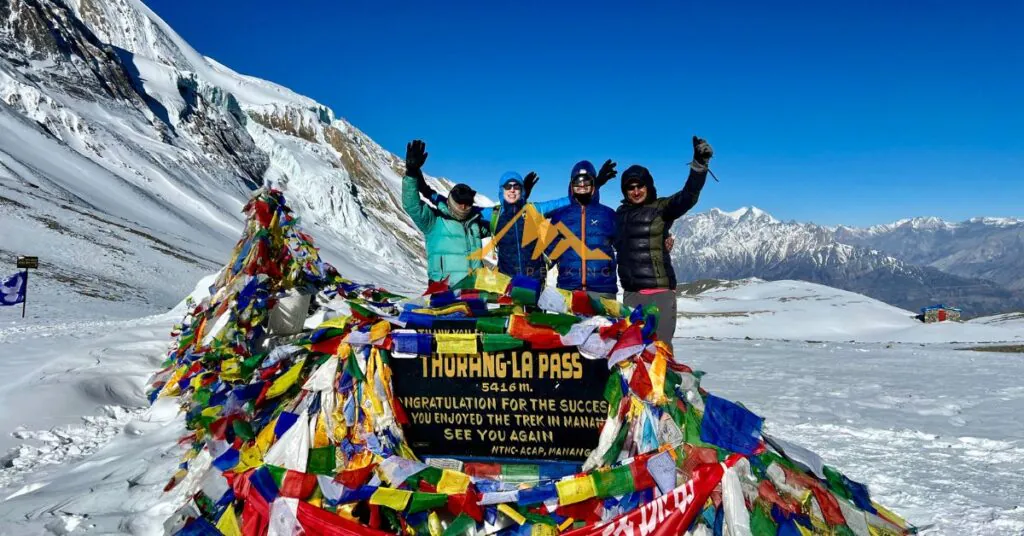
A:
[751,243]
[126,156]
[986,248]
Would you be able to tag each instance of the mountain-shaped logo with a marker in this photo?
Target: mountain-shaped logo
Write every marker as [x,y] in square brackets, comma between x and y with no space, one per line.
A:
[540,232]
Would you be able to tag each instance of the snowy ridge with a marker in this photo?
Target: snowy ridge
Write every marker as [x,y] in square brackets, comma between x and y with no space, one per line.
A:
[798,310]
[126,156]
[910,264]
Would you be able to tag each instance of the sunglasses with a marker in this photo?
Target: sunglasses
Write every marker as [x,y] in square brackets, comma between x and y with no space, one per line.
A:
[635,186]
[582,181]
[513,186]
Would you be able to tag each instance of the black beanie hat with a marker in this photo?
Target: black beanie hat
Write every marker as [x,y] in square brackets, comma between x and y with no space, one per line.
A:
[463,194]
[643,176]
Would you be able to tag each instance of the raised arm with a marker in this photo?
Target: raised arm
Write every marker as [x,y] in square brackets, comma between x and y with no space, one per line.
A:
[683,200]
[413,182]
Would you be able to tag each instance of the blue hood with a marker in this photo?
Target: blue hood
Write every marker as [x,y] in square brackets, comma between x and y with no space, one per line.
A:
[510,176]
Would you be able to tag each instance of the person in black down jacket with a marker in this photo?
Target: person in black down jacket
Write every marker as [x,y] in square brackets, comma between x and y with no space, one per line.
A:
[643,222]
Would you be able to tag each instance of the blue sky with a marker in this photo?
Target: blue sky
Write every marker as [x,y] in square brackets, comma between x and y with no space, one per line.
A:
[853,112]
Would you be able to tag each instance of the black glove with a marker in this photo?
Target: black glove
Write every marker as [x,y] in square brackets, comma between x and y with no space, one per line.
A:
[415,156]
[528,183]
[606,174]
[702,153]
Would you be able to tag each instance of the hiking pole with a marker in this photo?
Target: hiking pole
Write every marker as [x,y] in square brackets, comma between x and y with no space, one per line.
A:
[713,175]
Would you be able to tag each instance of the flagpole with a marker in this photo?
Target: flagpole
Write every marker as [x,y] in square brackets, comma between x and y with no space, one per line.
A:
[24,298]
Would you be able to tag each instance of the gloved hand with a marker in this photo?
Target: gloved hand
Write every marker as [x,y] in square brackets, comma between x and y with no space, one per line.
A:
[415,156]
[606,173]
[528,183]
[702,153]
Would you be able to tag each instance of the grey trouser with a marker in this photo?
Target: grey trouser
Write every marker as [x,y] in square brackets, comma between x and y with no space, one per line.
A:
[666,303]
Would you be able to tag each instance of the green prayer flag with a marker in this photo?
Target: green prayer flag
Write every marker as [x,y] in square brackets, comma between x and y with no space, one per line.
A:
[761,523]
[202,396]
[520,472]
[672,380]
[466,283]
[277,473]
[352,367]
[523,296]
[616,448]
[431,474]
[321,460]
[613,392]
[243,429]
[497,342]
[426,501]
[843,530]
[692,428]
[362,311]
[460,525]
[835,483]
[491,324]
[614,483]
[561,323]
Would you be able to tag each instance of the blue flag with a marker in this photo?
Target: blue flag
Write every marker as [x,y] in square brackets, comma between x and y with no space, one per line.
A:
[12,289]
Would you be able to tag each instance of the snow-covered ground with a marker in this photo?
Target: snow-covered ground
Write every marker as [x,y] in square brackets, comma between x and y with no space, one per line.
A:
[798,310]
[937,433]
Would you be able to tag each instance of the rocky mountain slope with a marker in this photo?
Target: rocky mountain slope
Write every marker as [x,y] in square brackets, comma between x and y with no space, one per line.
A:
[125,157]
[751,243]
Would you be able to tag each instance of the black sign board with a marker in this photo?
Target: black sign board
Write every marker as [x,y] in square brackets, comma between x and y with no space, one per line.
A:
[527,404]
[28,262]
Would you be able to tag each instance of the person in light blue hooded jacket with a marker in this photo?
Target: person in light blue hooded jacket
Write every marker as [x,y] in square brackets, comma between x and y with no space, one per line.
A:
[514,193]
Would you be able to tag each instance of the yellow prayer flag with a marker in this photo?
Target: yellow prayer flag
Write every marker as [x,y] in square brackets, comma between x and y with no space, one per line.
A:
[212,411]
[286,380]
[447,310]
[380,330]
[887,515]
[231,369]
[395,499]
[452,482]
[511,513]
[612,307]
[320,438]
[575,490]
[456,343]
[492,280]
[805,531]
[336,322]
[434,524]
[874,530]
[566,524]
[248,458]
[266,436]
[228,522]
[657,374]
[542,529]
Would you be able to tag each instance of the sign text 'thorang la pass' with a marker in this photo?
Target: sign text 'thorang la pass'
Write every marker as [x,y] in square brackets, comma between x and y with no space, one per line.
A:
[532,404]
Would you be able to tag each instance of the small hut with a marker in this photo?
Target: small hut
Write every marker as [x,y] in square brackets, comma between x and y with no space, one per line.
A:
[939,313]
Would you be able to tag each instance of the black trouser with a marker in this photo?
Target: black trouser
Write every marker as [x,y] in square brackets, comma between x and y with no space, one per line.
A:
[666,303]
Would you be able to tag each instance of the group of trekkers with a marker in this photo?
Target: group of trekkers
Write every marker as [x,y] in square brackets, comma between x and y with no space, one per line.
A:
[633,240]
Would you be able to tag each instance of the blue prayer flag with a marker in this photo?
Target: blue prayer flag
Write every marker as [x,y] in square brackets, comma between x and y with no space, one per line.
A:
[12,289]
[730,426]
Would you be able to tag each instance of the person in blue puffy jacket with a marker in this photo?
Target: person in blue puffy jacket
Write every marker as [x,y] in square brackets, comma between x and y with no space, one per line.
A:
[594,225]
[514,192]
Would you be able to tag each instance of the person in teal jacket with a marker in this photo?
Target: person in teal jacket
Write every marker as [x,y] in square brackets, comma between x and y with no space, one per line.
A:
[453,229]
[514,192]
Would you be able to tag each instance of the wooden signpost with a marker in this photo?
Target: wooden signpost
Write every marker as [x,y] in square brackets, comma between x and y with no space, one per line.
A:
[26,263]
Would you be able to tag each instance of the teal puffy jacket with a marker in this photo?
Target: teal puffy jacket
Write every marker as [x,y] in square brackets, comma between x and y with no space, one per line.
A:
[449,241]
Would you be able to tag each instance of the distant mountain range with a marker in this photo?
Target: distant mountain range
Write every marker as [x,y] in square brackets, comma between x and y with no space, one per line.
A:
[977,264]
